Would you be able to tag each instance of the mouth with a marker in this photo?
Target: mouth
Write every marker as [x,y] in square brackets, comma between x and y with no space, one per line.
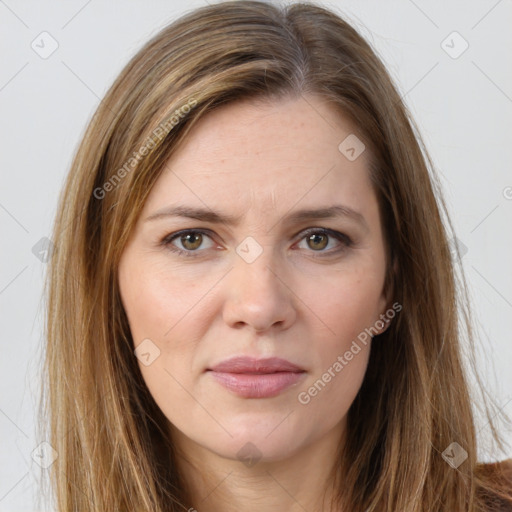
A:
[256,378]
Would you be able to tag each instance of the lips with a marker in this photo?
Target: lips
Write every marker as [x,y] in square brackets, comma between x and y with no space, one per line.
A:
[256,366]
[256,378]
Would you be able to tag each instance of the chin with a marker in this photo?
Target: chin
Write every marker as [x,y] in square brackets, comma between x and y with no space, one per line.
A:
[251,450]
[266,438]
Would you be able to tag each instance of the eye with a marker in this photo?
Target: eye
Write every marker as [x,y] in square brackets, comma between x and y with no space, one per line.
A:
[319,239]
[189,241]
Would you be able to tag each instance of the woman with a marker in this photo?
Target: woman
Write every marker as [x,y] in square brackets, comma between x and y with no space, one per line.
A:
[252,304]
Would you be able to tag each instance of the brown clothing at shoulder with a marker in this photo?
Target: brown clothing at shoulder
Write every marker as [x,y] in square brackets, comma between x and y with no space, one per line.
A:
[499,476]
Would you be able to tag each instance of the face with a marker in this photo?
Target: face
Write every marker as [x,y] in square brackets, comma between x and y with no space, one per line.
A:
[253,276]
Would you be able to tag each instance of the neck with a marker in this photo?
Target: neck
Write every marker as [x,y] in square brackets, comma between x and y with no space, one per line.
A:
[306,480]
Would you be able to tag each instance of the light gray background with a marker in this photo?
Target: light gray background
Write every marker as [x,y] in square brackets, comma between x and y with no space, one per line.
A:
[463,107]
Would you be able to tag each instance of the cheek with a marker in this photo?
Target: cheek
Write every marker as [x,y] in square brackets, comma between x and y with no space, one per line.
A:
[157,300]
[169,307]
[347,303]
[351,304]
[343,356]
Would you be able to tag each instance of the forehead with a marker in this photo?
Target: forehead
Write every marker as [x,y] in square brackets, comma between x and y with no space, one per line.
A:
[272,154]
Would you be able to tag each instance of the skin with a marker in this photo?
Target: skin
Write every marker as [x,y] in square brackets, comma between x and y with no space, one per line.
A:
[302,301]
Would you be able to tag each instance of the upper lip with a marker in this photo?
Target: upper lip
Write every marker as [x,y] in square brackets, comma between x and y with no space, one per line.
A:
[243,364]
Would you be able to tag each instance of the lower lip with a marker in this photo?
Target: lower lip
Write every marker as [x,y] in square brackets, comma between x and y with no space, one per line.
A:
[250,385]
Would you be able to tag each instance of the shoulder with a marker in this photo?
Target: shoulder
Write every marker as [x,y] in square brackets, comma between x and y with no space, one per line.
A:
[501,470]
[498,476]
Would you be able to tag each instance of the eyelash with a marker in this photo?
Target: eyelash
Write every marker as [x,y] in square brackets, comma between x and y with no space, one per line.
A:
[344,239]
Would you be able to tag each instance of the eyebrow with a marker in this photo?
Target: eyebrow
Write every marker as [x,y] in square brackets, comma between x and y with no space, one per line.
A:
[207,215]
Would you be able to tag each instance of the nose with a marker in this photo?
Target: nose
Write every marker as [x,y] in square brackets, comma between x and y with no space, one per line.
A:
[258,296]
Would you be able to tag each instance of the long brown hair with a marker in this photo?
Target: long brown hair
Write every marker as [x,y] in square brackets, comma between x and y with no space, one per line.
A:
[114,452]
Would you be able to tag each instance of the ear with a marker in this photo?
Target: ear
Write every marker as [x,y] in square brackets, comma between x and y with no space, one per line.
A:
[390,307]
[387,323]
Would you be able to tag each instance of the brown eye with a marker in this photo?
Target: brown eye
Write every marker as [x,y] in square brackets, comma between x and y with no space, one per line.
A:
[317,241]
[324,241]
[191,241]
